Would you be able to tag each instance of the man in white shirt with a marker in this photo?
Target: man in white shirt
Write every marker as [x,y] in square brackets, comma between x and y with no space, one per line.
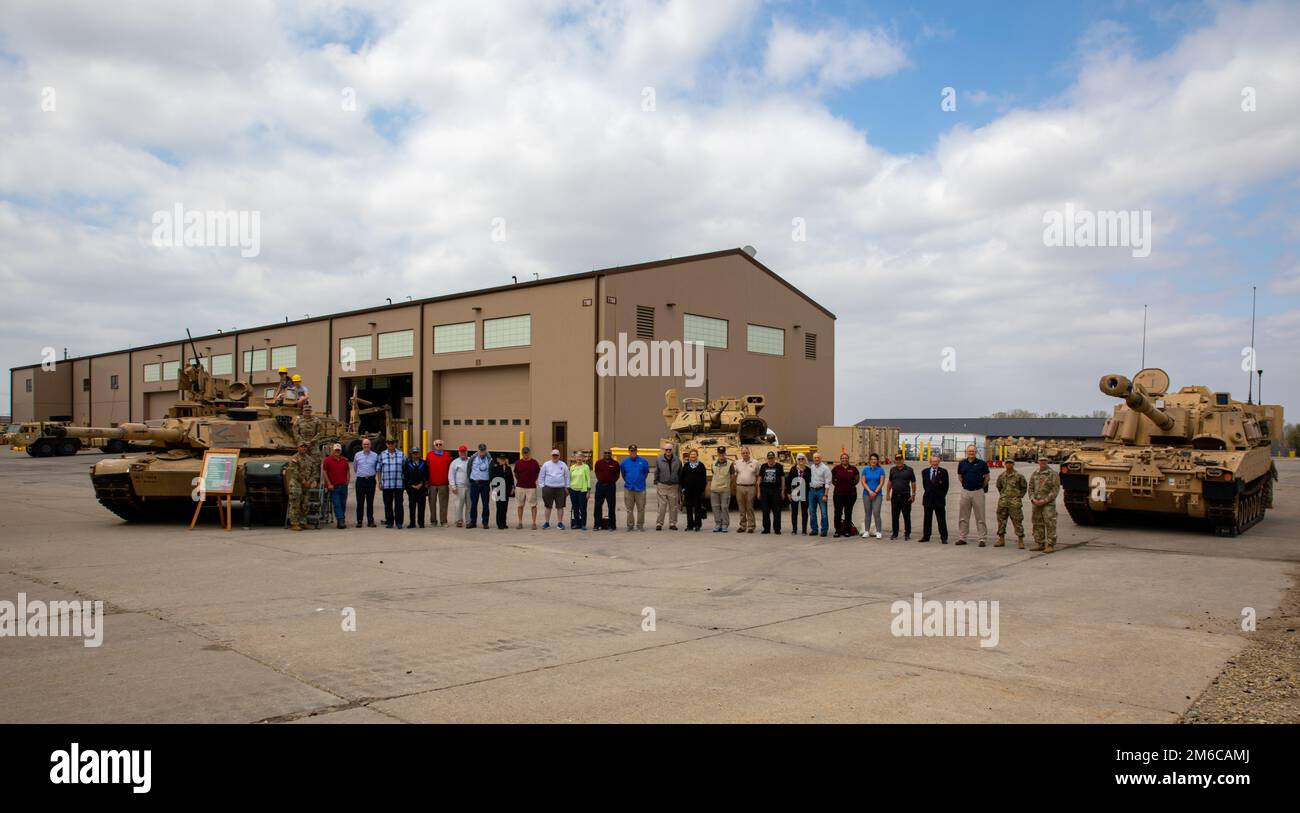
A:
[819,485]
[458,481]
[554,483]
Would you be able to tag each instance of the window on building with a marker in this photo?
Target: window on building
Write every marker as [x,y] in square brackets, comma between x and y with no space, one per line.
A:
[223,364]
[284,356]
[254,361]
[645,322]
[85,385]
[112,382]
[27,385]
[203,361]
[397,344]
[516,422]
[170,370]
[152,373]
[355,348]
[447,422]
[511,331]
[455,338]
[769,341]
[810,345]
[710,332]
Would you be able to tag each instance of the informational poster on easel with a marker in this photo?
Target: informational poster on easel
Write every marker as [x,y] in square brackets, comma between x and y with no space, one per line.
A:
[217,480]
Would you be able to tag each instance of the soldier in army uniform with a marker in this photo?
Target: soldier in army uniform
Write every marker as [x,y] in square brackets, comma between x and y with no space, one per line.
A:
[1044,485]
[301,474]
[308,429]
[1011,494]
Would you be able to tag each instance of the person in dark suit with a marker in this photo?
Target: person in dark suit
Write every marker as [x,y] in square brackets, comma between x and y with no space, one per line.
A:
[934,481]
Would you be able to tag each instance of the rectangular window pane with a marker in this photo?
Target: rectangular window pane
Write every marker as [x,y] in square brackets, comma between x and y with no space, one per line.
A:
[512,331]
[286,356]
[455,338]
[355,348]
[254,361]
[766,340]
[152,372]
[112,382]
[397,344]
[170,370]
[85,385]
[204,361]
[222,365]
[712,332]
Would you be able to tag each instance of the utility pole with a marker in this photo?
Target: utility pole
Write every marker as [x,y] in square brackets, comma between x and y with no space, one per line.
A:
[1250,386]
[1144,337]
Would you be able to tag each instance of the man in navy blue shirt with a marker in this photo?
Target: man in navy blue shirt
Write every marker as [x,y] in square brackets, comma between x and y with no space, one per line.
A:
[973,474]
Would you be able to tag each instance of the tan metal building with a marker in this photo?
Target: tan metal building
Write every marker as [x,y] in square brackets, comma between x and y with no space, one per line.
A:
[484,365]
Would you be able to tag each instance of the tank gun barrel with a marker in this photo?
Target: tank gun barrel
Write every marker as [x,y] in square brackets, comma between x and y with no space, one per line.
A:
[1118,386]
[126,431]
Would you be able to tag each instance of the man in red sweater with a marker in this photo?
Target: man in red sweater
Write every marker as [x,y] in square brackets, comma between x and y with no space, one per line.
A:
[439,461]
[526,471]
[607,472]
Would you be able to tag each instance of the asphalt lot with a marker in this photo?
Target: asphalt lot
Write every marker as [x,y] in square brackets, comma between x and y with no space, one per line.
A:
[1121,624]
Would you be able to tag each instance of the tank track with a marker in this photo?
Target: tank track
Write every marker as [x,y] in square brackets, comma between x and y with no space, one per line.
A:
[115,493]
[1234,517]
[1076,504]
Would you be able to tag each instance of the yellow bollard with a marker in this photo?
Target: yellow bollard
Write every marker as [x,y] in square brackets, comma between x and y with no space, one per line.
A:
[521,441]
[406,438]
[424,440]
[595,446]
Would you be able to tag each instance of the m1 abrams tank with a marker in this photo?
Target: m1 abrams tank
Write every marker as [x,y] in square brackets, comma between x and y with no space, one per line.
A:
[211,413]
[1193,453]
[727,423]
[1027,449]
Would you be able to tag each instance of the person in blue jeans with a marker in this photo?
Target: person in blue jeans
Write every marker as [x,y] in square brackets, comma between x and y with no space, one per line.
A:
[873,497]
[480,485]
[819,483]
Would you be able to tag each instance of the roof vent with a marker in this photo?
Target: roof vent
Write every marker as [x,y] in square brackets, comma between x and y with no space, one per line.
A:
[750,250]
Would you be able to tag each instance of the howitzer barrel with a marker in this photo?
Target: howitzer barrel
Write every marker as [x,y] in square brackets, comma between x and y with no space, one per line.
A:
[127,431]
[1117,386]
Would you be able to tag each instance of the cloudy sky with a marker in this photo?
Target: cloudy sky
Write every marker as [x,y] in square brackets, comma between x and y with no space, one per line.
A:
[380,142]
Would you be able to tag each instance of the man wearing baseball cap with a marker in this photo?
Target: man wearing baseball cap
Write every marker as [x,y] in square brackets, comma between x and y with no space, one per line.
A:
[554,481]
[336,481]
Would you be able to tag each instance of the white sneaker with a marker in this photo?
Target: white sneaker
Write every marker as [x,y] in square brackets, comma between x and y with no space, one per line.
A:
[877,534]
[865,534]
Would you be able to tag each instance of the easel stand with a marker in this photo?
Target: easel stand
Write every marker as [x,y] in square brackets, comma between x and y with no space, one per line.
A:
[223,511]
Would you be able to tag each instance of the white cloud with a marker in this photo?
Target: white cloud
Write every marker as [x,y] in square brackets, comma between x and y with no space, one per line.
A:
[533,113]
[830,57]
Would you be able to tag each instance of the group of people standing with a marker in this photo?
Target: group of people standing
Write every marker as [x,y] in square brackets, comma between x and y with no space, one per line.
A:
[463,489]
[897,486]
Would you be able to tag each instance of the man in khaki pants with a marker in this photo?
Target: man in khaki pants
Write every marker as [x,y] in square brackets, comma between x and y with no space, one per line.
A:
[668,487]
[973,474]
[746,469]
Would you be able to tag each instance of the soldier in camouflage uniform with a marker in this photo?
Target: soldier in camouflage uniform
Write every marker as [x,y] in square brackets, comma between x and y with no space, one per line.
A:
[1011,494]
[308,429]
[1044,485]
[301,473]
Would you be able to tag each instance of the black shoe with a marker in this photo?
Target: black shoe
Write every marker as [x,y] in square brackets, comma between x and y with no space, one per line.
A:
[373,525]
[924,539]
[471,525]
[906,537]
[824,533]
[895,536]
[837,534]
[944,540]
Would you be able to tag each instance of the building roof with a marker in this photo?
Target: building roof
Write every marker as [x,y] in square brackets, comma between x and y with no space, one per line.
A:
[597,272]
[995,427]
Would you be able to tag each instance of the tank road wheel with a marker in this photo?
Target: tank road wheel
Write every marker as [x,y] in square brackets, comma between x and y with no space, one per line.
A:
[1079,510]
[41,448]
[1234,517]
[67,447]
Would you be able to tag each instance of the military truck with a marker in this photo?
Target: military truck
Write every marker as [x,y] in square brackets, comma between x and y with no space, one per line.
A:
[39,439]
[1193,453]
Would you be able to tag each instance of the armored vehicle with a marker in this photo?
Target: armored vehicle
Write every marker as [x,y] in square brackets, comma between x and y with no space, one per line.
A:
[1193,453]
[210,413]
[39,439]
[858,442]
[1027,449]
[727,423]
